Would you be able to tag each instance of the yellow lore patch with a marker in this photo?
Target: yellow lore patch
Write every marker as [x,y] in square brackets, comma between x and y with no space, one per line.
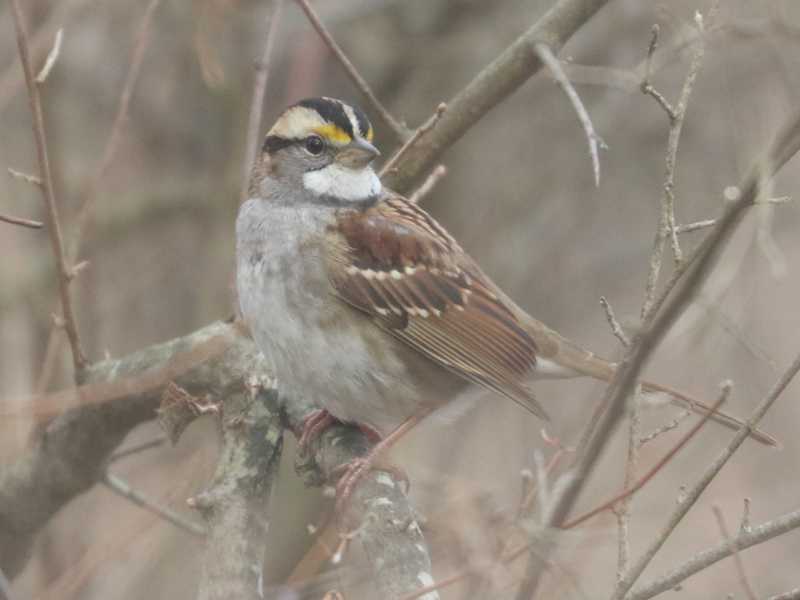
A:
[333,133]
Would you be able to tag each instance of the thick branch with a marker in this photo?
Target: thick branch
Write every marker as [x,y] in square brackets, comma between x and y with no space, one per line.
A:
[236,504]
[379,513]
[70,455]
[492,85]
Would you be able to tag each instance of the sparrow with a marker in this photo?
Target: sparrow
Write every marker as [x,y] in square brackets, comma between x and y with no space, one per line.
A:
[365,305]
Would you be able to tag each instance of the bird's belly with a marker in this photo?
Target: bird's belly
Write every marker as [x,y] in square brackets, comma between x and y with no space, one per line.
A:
[326,354]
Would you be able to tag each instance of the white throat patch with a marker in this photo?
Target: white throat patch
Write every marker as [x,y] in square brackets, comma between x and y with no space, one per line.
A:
[343,183]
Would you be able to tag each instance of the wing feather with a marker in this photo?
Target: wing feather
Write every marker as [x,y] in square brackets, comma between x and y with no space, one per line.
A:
[394,262]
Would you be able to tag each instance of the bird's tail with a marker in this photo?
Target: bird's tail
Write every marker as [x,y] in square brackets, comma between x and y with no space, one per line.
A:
[586,363]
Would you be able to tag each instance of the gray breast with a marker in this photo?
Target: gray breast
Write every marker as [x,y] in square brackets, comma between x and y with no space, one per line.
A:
[323,351]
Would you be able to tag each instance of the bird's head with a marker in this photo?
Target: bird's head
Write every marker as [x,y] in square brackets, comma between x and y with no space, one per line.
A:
[323,146]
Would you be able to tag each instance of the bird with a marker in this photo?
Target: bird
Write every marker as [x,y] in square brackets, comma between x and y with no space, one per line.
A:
[366,306]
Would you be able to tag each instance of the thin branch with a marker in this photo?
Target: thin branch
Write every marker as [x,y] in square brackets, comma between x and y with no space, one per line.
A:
[696,226]
[691,495]
[92,189]
[640,483]
[52,217]
[273,19]
[428,185]
[58,15]
[492,85]
[616,328]
[20,221]
[120,487]
[5,587]
[790,595]
[400,130]
[664,428]
[645,86]
[743,540]
[622,509]
[726,536]
[422,129]
[443,583]
[26,177]
[128,452]
[666,224]
[93,185]
[652,332]
[52,57]
[547,57]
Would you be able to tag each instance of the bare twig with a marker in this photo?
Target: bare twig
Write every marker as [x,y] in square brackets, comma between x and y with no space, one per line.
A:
[115,136]
[645,86]
[400,130]
[52,216]
[26,177]
[491,85]
[743,540]
[664,428]
[422,129]
[708,475]
[93,186]
[121,487]
[20,221]
[640,483]
[653,330]
[726,536]
[547,57]
[616,328]
[127,452]
[622,509]
[666,223]
[52,57]
[435,587]
[790,595]
[59,14]
[273,19]
[5,587]
[744,526]
[428,185]
[696,226]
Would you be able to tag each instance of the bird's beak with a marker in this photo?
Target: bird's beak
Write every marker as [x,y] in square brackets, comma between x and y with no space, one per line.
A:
[357,154]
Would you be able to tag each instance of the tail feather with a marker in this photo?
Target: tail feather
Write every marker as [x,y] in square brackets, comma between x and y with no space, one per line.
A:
[718,416]
[583,362]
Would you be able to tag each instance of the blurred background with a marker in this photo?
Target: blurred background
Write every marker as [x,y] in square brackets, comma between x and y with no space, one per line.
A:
[519,196]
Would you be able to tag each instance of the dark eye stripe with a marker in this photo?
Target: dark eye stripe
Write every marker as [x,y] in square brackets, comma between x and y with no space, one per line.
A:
[273,143]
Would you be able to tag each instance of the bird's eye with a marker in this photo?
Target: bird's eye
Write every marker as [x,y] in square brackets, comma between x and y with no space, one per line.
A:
[314,144]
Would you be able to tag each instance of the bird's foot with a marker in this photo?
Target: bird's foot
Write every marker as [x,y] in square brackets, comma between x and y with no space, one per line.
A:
[351,473]
[314,424]
[317,421]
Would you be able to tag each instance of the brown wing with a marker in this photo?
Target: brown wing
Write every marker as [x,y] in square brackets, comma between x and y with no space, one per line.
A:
[394,262]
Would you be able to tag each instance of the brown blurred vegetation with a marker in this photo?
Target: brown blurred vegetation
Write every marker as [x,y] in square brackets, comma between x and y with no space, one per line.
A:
[519,196]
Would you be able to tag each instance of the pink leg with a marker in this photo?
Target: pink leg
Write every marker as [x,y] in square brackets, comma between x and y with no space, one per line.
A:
[355,470]
[314,424]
